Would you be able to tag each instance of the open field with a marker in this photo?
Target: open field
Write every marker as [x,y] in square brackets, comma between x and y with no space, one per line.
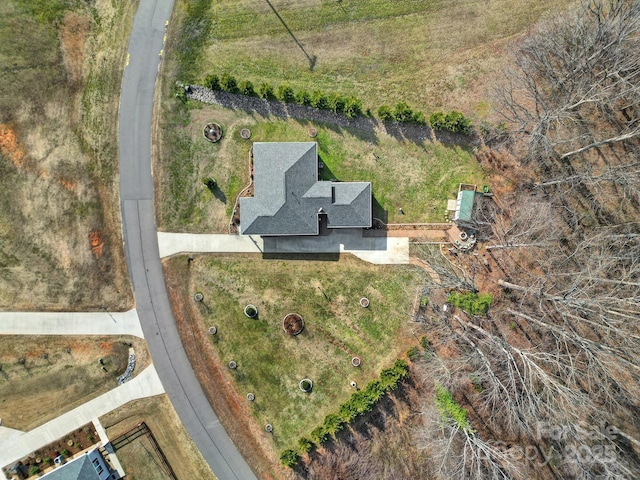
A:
[270,362]
[159,415]
[39,380]
[417,177]
[61,245]
[432,54]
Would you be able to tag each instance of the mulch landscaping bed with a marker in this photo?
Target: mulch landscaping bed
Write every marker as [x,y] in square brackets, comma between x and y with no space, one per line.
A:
[71,444]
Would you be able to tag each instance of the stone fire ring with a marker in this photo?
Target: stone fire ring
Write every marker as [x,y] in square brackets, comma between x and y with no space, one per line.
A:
[364,302]
[245,133]
[355,361]
[293,323]
[212,132]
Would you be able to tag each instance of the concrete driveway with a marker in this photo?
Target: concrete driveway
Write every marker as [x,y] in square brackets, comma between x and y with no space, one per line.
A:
[379,250]
[70,323]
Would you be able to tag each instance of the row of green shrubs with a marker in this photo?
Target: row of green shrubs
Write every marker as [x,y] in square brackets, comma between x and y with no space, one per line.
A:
[360,403]
[472,303]
[350,106]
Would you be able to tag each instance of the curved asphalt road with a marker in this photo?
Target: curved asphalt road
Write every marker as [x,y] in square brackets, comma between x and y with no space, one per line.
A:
[141,246]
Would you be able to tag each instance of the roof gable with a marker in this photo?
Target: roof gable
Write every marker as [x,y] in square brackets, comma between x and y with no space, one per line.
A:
[288,197]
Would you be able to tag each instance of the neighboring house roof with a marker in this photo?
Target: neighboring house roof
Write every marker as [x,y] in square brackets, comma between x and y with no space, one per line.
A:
[80,468]
[464,206]
[288,197]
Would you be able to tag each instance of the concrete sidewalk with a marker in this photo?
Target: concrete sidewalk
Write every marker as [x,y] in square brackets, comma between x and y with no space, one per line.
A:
[145,384]
[70,323]
[379,250]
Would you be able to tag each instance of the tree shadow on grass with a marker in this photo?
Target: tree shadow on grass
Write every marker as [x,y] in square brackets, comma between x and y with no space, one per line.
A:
[219,194]
[348,444]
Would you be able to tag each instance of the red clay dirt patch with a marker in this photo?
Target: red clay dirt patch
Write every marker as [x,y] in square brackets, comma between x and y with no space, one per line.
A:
[9,145]
[96,242]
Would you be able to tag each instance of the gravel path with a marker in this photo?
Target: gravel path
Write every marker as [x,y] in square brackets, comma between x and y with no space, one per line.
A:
[400,131]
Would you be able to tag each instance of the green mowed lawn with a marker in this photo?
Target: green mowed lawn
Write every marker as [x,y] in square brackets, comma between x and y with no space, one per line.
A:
[271,363]
[417,177]
[430,53]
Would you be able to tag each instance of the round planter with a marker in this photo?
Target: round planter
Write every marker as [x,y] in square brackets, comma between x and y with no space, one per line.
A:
[463,235]
[251,311]
[312,132]
[268,428]
[293,323]
[251,397]
[355,361]
[213,330]
[233,365]
[305,385]
[364,302]
[212,132]
[245,133]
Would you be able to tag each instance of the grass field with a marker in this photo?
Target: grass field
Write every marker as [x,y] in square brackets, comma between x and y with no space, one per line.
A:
[430,53]
[138,460]
[417,177]
[40,389]
[326,294]
[61,63]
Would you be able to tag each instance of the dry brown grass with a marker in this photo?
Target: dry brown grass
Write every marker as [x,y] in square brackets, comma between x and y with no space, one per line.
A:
[159,415]
[43,388]
[59,180]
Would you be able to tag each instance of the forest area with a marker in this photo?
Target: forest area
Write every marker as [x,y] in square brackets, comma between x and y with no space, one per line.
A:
[554,363]
[545,384]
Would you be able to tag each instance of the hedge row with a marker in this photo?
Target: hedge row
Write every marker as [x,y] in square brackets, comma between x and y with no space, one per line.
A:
[471,302]
[401,113]
[349,106]
[360,403]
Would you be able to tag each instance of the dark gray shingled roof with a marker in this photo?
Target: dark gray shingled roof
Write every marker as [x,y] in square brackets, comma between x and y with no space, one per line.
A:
[78,469]
[288,197]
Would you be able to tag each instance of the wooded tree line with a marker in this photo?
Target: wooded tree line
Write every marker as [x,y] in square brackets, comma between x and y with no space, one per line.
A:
[551,376]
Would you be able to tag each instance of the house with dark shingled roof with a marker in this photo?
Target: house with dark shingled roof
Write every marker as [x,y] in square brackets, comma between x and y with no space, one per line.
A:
[289,199]
[88,466]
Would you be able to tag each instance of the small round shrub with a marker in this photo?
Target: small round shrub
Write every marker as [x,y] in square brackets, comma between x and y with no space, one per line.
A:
[265,90]
[337,103]
[285,93]
[212,81]
[289,458]
[303,98]
[353,107]
[384,113]
[246,88]
[319,100]
[228,83]
[402,112]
